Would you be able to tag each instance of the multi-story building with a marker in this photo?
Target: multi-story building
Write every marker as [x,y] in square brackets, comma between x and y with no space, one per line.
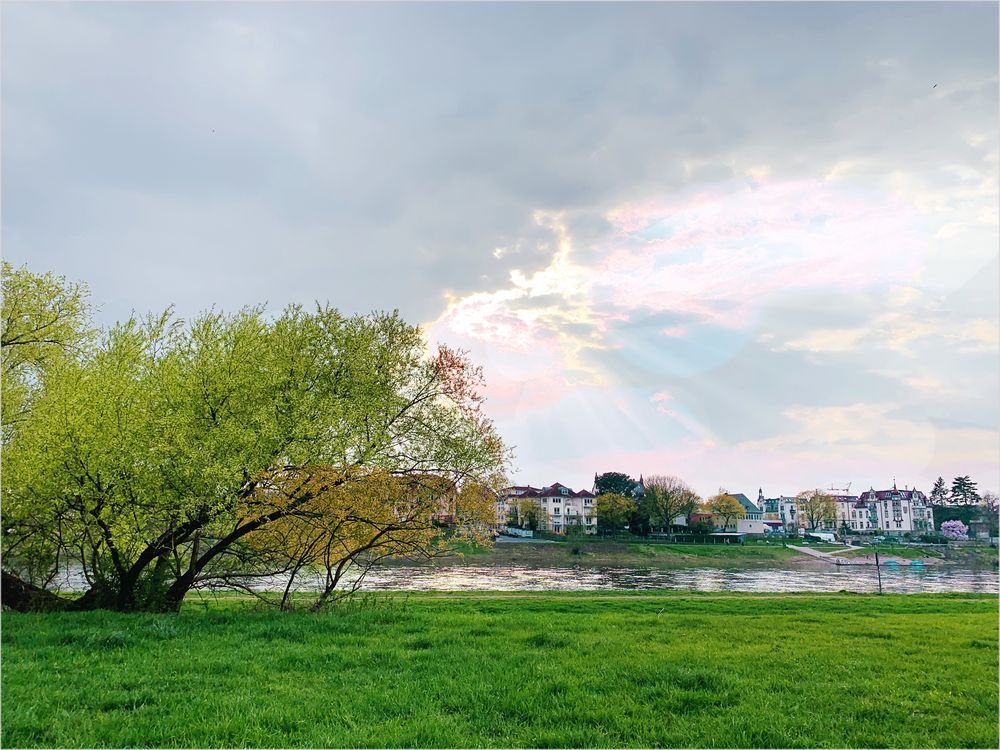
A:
[893,511]
[560,506]
[771,511]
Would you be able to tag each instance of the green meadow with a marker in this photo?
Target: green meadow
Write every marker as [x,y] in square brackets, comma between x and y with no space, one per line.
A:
[525,670]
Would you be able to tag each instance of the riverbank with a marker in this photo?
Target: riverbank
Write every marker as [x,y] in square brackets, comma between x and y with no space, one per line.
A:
[638,554]
[648,669]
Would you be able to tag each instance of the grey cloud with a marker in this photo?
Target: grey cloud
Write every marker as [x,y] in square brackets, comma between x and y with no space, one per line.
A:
[387,149]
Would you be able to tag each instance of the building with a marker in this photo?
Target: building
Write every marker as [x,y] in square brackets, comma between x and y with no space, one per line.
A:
[752,520]
[770,511]
[560,507]
[895,511]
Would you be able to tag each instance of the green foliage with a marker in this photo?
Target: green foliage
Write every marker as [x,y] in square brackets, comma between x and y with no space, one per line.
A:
[646,669]
[239,445]
[964,491]
[613,511]
[939,494]
[45,319]
[614,482]
[700,527]
[964,513]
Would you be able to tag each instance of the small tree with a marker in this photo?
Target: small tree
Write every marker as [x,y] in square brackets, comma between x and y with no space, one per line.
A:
[666,498]
[725,508]
[955,530]
[531,512]
[613,511]
[939,495]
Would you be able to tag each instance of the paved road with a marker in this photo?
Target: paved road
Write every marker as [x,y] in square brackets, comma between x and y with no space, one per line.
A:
[522,540]
[828,556]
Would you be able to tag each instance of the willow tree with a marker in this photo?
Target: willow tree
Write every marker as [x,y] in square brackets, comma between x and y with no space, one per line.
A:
[169,456]
[45,318]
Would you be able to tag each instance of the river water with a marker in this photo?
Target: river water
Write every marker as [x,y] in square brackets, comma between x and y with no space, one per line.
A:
[854,578]
[904,580]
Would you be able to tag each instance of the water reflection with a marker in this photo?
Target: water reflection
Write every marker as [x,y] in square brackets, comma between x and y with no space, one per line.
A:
[512,578]
[903,580]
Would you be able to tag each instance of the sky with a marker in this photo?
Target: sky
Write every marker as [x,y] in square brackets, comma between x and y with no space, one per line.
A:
[751,245]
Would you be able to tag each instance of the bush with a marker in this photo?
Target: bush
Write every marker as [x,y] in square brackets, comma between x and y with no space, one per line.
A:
[700,527]
[955,530]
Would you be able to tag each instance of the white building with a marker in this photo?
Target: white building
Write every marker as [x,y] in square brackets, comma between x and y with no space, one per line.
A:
[892,511]
[561,507]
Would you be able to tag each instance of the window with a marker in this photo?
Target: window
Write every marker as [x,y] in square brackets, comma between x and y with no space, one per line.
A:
[556,500]
[558,527]
[587,501]
[556,511]
[564,490]
[899,525]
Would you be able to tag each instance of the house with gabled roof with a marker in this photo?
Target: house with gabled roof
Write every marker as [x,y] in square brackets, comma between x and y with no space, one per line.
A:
[752,520]
[562,506]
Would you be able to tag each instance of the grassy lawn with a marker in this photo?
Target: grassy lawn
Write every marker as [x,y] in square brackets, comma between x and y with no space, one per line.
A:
[517,670]
[635,554]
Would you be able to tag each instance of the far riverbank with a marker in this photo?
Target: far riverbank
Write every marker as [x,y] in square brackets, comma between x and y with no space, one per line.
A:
[603,554]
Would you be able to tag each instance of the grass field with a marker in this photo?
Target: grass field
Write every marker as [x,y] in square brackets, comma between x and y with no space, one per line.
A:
[596,552]
[529,670]
[635,554]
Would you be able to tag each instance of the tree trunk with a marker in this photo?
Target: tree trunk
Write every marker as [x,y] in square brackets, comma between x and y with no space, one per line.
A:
[27,597]
[178,590]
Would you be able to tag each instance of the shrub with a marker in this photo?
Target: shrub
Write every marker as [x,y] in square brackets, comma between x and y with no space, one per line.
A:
[955,530]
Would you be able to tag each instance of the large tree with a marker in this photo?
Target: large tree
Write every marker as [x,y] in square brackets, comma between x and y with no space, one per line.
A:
[816,509]
[667,498]
[613,511]
[169,456]
[964,491]
[614,481]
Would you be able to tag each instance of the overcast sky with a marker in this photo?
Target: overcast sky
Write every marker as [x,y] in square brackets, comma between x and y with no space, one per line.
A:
[752,245]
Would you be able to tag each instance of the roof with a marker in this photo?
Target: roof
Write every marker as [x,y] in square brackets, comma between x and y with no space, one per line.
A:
[552,490]
[912,495]
[745,502]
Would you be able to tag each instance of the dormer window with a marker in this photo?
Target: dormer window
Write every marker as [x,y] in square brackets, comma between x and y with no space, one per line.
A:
[564,490]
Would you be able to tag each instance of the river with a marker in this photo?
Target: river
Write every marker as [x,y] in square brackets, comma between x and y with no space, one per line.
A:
[860,579]
[903,580]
